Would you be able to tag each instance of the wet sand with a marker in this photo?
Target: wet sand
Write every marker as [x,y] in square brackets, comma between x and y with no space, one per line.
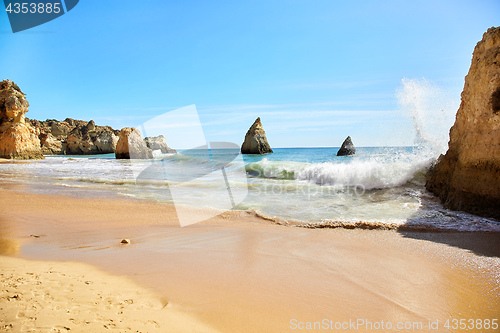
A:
[240,273]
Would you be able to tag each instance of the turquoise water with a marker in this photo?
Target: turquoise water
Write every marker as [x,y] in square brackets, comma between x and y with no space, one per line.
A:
[327,154]
[377,186]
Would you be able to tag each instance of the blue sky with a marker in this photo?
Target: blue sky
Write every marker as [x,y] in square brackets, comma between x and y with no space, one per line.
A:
[314,71]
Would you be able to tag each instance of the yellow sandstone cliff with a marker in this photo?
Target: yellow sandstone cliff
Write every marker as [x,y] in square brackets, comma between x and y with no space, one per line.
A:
[468,177]
[18,139]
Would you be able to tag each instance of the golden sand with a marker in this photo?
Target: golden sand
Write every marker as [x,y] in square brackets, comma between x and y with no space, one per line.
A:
[240,273]
[40,296]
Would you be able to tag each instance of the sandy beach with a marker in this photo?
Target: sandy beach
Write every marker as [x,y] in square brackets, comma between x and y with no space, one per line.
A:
[42,296]
[250,167]
[233,273]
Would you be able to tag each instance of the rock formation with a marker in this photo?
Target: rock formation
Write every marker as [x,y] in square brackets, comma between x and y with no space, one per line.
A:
[347,148]
[18,139]
[131,145]
[75,137]
[468,176]
[91,139]
[255,140]
[158,143]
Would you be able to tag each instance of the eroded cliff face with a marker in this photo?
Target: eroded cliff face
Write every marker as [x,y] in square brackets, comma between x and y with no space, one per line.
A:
[132,146]
[18,139]
[75,137]
[255,140]
[159,143]
[468,177]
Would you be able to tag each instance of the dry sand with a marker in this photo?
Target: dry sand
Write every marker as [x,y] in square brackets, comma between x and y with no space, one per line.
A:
[240,273]
[40,296]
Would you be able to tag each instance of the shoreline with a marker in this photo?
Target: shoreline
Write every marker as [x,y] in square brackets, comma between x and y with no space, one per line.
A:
[238,272]
[486,225]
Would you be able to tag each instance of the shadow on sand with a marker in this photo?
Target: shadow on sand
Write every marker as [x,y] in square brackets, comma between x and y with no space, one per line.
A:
[479,242]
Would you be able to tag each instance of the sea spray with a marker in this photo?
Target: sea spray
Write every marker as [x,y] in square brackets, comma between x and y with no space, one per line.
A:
[432,112]
[370,169]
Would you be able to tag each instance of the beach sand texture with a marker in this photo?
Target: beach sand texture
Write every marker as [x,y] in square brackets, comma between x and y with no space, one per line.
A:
[40,296]
[233,273]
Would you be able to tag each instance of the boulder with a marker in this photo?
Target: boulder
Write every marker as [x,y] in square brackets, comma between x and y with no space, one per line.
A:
[347,148]
[467,177]
[255,140]
[158,143]
[18,139]
[91,126]
[131,145]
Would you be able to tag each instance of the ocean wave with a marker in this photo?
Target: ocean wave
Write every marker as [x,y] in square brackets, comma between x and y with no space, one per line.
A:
[97,180]
[369,174]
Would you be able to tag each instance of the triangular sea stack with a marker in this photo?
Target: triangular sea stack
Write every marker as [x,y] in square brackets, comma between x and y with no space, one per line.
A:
[347,148]
[255,140]
[468,177]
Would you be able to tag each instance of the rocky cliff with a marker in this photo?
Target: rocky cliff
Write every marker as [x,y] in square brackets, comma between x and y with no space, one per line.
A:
[131,145]
[347,148]
[255,140]
[18,138]
[75,137]
[158,143]
[468,176]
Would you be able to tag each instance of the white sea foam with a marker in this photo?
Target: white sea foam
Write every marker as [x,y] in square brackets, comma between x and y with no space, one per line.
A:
[431,110]
[370,174]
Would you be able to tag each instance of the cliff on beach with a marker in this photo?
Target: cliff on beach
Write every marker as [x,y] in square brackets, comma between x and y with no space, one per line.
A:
[75,137]
[132,146]
[158,143]
[18,139]
[23,138]
[467,177]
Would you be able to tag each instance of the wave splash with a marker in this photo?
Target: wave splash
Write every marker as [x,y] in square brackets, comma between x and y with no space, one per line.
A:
[431,110]
[369,174]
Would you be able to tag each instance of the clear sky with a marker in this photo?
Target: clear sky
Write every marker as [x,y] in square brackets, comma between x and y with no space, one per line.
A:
[314,71]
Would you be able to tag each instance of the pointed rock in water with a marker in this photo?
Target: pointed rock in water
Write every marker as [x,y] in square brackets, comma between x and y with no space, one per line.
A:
[255,140]
[18,138]
[159,143]
[468,177]
[131,145]
[347,148]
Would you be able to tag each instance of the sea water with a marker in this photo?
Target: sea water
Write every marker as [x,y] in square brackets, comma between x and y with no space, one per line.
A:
[377,187]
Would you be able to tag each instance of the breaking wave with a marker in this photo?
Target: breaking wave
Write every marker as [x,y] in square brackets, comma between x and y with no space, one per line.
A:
[370,174]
